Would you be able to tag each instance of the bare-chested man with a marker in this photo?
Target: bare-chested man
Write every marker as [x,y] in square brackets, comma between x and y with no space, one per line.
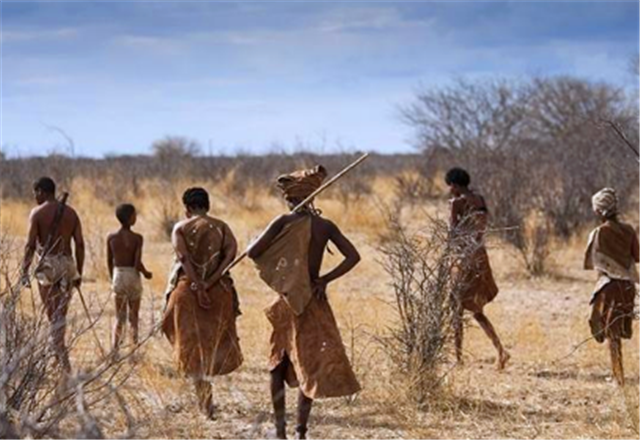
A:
[52,226]
[124,259]
[306,347]
[613,251]
[469,219]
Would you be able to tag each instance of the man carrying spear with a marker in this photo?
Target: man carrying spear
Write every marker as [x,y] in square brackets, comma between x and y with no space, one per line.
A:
[306,347]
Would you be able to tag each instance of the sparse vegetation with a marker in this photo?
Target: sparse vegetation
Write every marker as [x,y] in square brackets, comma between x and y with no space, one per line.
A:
[532,148]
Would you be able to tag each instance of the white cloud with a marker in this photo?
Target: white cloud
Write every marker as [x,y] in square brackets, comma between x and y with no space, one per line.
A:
[364,18]
[39,34]
[149,43]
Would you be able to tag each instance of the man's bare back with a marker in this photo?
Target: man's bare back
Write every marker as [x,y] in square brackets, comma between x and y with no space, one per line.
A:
[41,224]
[41,219]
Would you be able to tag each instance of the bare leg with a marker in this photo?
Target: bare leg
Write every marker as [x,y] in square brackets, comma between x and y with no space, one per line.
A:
[134,312]
[304,409]
[121,319]
[205,397]
[615,348]
[595,321]
[57,306]
[503,355]
[458,329]
[278,396]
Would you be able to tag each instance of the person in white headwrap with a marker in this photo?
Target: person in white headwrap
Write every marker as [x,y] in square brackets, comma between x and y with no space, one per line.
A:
[612,251]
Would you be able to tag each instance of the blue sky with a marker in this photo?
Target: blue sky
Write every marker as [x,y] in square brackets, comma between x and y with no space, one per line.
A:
[245,76]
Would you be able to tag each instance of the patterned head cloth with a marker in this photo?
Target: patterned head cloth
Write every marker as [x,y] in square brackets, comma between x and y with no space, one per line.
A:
[605,202]
[300,184]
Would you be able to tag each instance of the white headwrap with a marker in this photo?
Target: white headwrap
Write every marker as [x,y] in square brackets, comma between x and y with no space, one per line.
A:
[605,202]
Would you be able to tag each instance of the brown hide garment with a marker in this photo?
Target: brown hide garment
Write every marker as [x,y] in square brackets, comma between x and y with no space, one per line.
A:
[304,328]
[284,266]
[478,287]
[614,307]
[205,341]
[610,253]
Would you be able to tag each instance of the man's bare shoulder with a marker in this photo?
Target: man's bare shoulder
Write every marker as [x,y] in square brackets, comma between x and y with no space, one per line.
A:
[36,212]
[71,210]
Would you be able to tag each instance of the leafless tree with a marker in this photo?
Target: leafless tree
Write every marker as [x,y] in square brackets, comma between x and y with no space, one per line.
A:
[175,147]
[531,146]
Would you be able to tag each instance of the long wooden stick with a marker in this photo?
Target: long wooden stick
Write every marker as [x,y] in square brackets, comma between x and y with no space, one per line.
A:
[305,202]
[91,322]
[622,136]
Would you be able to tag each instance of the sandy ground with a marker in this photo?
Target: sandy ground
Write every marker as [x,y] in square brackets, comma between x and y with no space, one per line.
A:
[552,388]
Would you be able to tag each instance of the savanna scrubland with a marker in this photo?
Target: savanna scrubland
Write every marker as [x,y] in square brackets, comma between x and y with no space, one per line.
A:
[536,149]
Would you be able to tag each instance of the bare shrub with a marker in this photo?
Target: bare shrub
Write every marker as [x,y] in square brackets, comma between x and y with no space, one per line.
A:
[37,398]
[175,147]
[167,210]
[352,190]
[412,187]
[424,267]
[535,245]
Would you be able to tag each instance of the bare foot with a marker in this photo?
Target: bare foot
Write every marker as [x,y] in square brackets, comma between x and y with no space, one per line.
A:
[503,359]
[211,411]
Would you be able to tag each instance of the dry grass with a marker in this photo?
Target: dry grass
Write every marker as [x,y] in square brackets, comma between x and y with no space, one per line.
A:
[543,392]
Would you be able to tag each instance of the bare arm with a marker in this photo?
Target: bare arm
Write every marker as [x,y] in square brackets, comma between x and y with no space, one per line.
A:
[229,251]
[78,239]
[138,260]
[263,242]
[180,246]
[347,249]
[30,248]
[110,256]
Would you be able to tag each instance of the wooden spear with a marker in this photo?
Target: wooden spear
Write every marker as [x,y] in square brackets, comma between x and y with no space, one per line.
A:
[306,201]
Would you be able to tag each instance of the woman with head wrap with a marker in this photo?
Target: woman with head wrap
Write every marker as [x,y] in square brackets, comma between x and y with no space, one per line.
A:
[613,252]
[306,347]
[200,317]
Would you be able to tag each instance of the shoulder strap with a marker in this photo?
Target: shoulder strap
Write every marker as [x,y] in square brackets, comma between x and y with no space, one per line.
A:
[55,224]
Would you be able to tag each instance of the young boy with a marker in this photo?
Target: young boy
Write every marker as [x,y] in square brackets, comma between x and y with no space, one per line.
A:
[124,258]
[469,215]
[613,252]
[306,347]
